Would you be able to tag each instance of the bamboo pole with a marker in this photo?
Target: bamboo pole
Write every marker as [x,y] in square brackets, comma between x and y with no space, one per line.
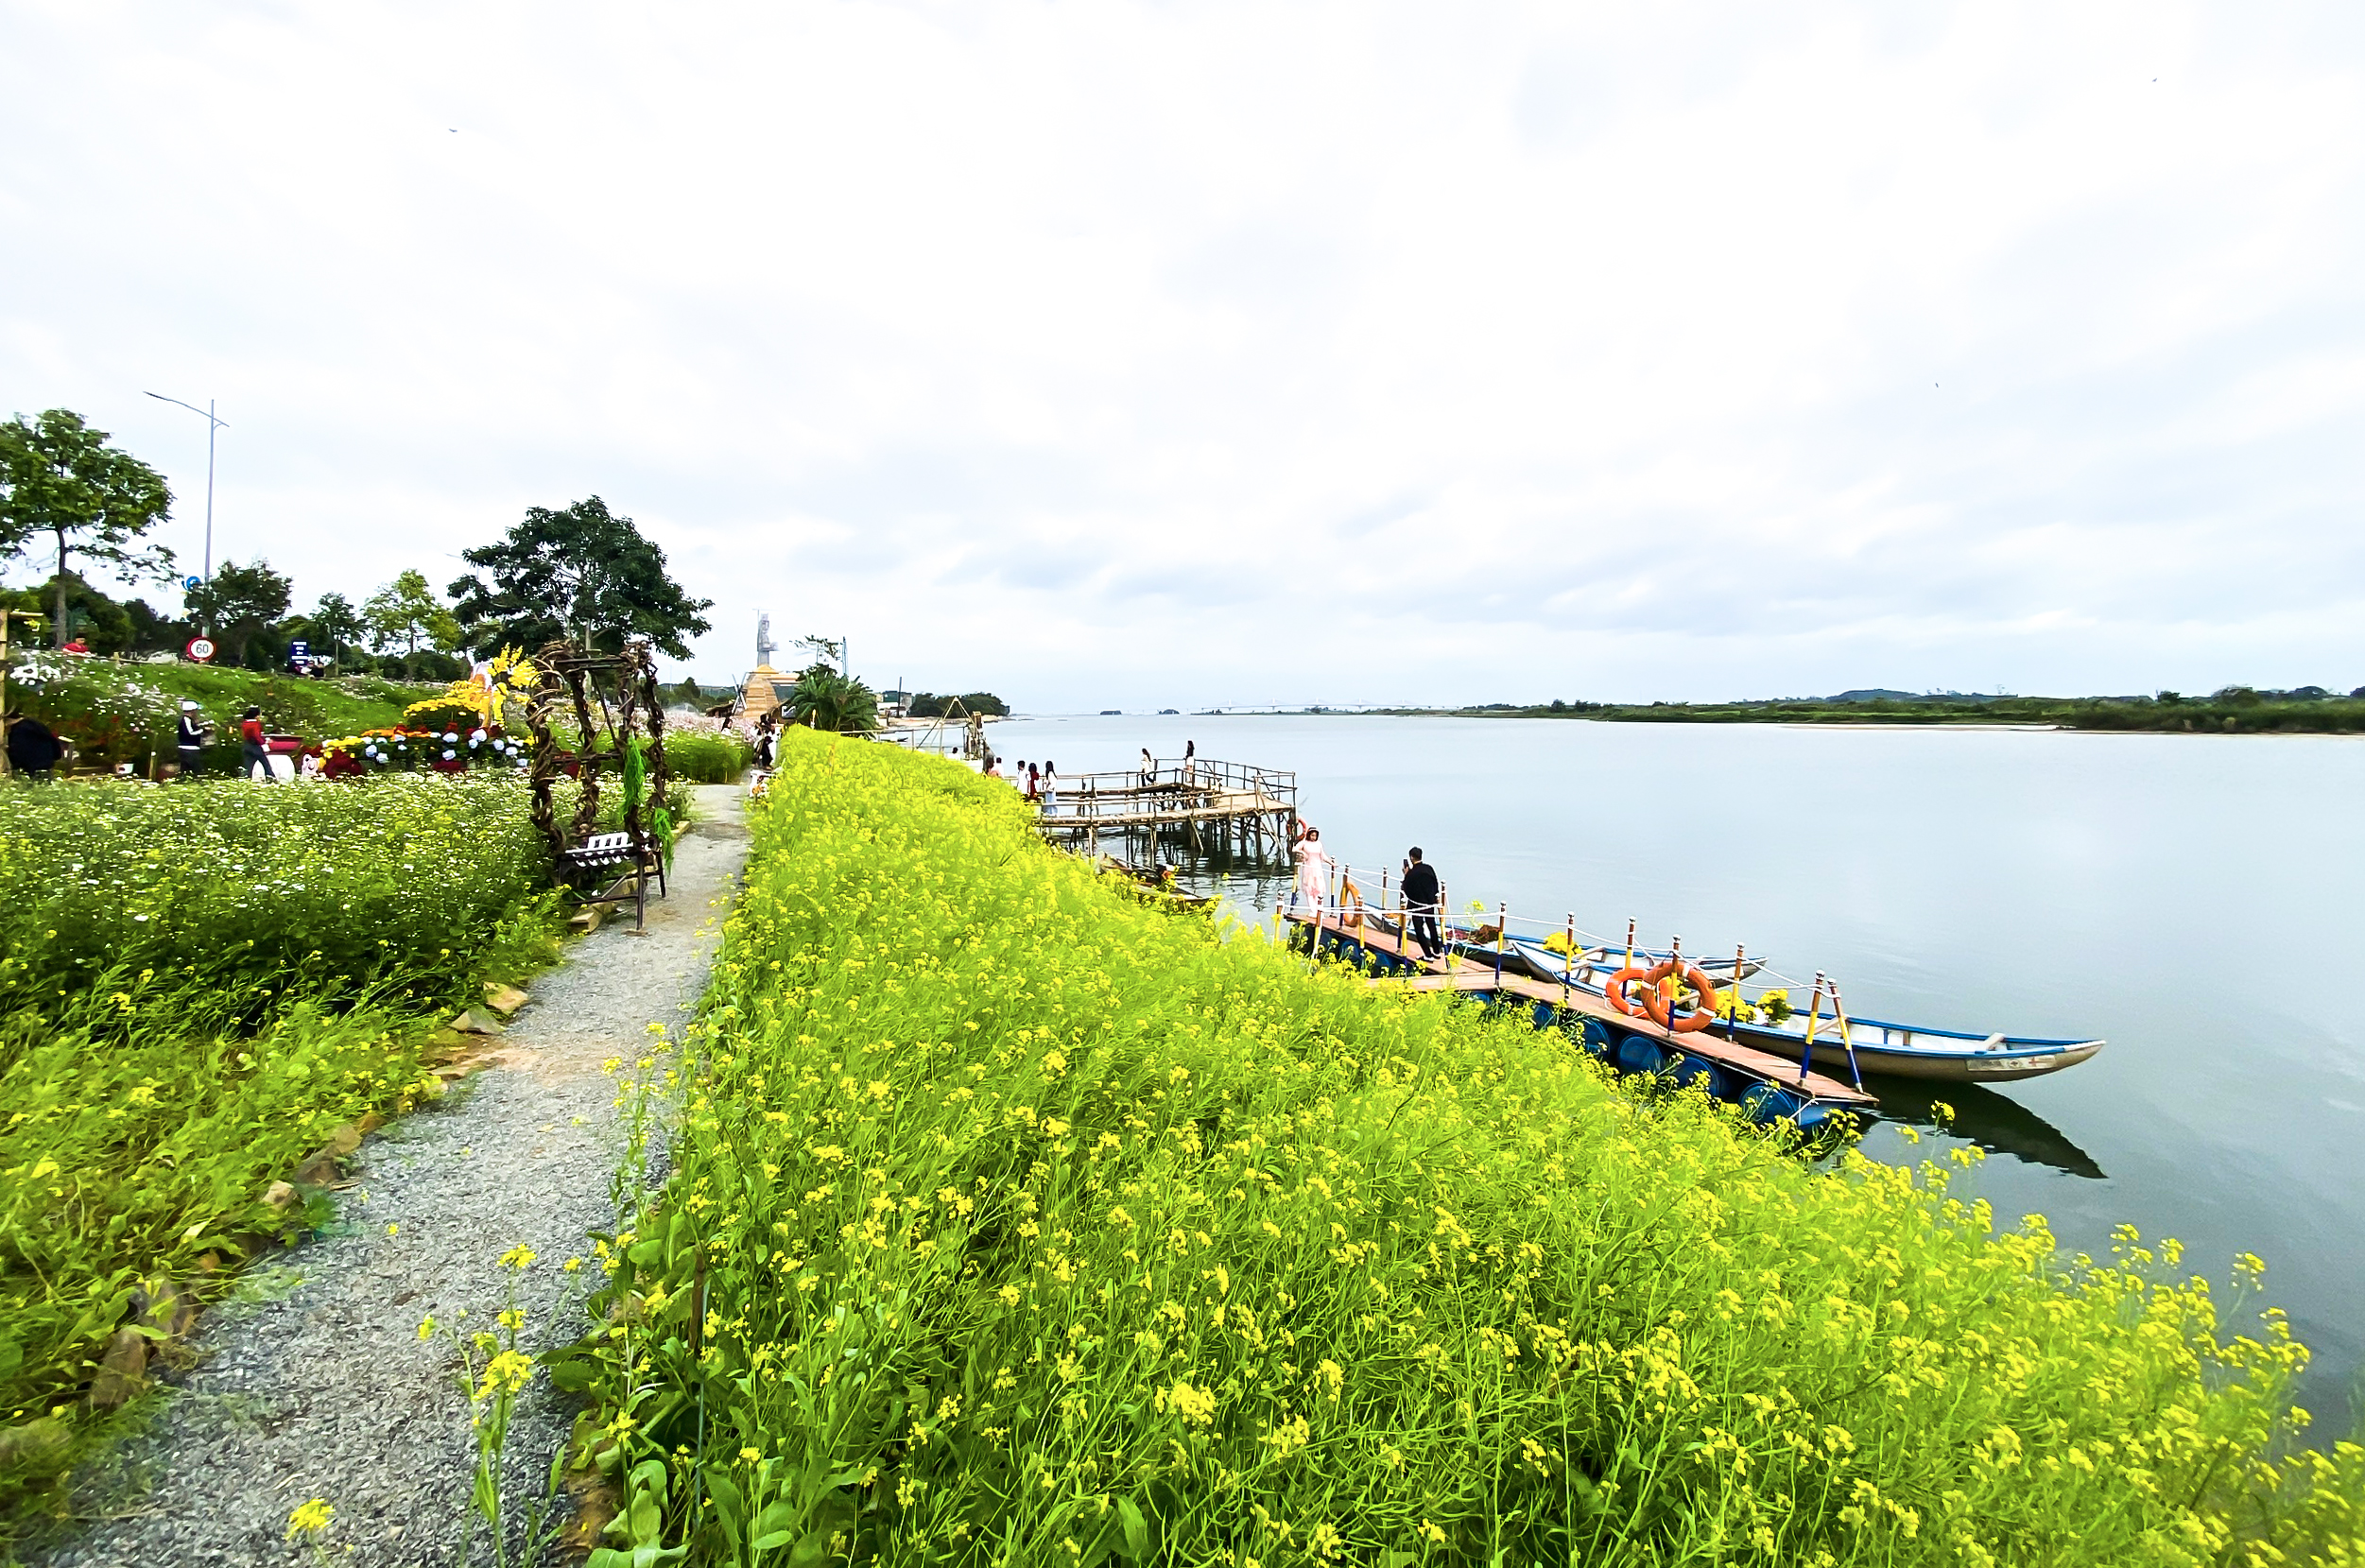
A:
[1846,1038]
[1568,967]
[1814,1006]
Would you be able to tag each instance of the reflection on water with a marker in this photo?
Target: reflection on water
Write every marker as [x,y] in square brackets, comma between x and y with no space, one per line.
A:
[1982,1116]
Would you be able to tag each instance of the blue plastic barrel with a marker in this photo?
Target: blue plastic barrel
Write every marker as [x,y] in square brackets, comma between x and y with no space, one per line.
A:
[1768,1102]
[1690,1070]
[1636,1055]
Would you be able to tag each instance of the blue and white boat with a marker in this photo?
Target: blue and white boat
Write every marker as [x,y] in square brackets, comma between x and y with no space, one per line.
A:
[1861,1046]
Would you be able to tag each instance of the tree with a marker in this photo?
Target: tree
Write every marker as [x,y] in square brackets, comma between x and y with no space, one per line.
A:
[239,602]
[153,632]
[58,476]
[407,609]
[828,700]
[582,573]
[336,622]
[103,624]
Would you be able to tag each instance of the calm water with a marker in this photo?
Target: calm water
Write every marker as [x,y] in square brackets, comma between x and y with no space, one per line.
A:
[2192,899]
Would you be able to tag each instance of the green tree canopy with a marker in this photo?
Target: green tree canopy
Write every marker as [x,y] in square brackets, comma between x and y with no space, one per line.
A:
[336,622]
[582,573]
[407,609]
[153,633]
[60,477]
[239,602]
[101,623]
[828,700]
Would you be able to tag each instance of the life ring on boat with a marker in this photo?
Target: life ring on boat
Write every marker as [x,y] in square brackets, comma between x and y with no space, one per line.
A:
[1351,903]
[1633,974]
[1661,1007]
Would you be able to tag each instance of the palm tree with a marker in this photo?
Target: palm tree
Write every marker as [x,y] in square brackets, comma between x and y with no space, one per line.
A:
[827,700]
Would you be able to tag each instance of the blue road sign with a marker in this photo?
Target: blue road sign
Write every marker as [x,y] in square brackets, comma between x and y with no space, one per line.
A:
[192,584]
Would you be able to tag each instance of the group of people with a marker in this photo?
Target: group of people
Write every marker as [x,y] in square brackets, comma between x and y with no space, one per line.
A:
[35,749]
[1041,781]
[1423,892]
[194,733]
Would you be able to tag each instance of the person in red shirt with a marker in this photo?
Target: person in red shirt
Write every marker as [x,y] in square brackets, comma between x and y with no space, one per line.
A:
[251,733]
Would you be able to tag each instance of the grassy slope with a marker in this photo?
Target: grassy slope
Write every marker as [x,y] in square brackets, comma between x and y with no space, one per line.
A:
[1013,1221]
[118,712]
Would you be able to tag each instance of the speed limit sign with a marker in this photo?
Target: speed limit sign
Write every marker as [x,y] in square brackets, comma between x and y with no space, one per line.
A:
[202,649]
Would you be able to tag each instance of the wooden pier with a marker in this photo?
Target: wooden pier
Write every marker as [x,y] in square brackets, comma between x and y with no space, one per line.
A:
[1204,806]
[1470,974]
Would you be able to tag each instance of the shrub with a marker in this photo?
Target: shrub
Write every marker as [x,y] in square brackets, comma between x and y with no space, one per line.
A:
[1013,1221]
[702,758]
[360,882]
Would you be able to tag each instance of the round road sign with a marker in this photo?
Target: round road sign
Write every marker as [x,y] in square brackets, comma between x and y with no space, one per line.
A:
[192,584]
[202,649]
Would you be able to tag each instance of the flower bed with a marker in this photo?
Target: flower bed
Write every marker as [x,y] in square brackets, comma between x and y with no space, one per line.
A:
[283,885]
[402,751]
[1013,1221]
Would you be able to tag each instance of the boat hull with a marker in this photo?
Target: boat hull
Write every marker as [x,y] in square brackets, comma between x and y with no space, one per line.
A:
[1951,1067]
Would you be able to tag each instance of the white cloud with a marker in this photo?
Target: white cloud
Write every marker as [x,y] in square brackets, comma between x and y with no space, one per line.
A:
[1117,353]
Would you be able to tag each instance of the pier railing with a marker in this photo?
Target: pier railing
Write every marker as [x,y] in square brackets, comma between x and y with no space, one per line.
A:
[1202,784]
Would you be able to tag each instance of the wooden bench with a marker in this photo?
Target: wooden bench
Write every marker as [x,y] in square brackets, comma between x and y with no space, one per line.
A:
[603,851]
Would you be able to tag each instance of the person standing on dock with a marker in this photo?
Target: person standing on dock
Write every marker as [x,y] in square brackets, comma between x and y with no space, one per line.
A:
[1420,886]
[1313,874]
[1034,782]
[1050,788]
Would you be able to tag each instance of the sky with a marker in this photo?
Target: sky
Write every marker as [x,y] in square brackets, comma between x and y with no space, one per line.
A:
[1108,354]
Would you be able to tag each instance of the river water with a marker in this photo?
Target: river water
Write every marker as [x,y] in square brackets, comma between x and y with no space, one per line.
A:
[2193,899]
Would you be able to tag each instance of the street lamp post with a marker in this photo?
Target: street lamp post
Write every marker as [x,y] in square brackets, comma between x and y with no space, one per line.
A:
[212,424]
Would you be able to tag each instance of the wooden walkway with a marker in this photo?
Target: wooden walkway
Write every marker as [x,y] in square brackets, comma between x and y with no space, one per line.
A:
[1203,805]
[1450,974]
[1155,808]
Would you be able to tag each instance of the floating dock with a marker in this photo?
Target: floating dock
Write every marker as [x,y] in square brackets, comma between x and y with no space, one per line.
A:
[1767,1085]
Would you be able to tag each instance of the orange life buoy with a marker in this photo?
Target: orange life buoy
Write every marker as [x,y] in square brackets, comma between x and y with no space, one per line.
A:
[1615,990]
[1350,903]
[1660,1006]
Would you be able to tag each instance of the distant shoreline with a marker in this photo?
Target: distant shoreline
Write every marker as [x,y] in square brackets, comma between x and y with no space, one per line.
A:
[2327,717]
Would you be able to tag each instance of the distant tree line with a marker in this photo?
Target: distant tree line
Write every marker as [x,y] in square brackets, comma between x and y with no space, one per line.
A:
[2228,710]
[930,705]
[69,497]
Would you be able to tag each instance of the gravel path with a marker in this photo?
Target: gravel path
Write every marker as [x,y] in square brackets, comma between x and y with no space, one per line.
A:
[321,1388]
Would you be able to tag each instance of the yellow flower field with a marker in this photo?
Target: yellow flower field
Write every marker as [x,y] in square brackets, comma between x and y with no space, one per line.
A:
[1012,1220]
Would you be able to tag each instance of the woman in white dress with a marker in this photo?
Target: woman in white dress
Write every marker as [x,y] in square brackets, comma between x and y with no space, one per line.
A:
[1050,789]
[1314,869]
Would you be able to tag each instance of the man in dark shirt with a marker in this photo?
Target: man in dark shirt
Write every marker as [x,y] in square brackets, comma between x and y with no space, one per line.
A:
[1421,904]
[189,740]
[33,748]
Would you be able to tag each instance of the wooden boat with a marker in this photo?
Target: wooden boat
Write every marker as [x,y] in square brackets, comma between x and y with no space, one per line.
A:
[1895,1050]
